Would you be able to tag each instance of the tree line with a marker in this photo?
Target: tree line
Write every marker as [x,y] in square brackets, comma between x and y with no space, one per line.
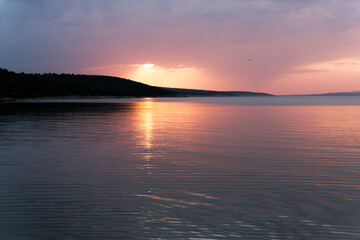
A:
[23,85]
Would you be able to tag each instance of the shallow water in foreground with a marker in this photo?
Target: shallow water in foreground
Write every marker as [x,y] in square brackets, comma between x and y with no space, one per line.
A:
[200,168]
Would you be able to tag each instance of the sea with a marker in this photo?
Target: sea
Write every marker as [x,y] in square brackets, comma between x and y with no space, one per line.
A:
[284,167]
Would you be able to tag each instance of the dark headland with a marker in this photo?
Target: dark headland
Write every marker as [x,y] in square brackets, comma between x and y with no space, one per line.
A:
[51,85]
[208,93]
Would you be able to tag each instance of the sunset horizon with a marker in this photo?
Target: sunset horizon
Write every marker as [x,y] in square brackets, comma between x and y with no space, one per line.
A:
[148,65]
[287,47]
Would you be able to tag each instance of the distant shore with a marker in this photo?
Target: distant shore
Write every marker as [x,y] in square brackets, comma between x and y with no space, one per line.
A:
[52,85]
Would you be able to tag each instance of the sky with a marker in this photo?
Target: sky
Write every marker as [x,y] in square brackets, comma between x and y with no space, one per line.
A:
[274,46]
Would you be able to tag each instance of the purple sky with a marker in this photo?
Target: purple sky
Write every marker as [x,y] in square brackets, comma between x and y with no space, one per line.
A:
[295,46]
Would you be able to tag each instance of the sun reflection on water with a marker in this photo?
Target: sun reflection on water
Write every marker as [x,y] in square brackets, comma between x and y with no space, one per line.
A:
[146,126]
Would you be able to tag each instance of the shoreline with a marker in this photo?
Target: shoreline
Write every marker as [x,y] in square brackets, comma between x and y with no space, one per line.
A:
[124,97]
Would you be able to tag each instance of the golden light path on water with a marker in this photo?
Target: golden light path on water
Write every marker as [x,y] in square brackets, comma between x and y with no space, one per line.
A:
[147,128]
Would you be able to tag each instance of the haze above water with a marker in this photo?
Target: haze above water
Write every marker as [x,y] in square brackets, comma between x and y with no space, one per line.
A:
[214,168]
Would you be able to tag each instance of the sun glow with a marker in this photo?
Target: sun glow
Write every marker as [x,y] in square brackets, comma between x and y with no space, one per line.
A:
[148,65]
[179,76]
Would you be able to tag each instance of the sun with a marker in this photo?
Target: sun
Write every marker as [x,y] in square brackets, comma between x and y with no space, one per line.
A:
[148,65]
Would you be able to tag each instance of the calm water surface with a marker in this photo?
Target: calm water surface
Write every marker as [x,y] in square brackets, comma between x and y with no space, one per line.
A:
[195,168]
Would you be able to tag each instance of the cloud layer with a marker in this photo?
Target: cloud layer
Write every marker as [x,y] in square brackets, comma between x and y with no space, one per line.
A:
[216,37]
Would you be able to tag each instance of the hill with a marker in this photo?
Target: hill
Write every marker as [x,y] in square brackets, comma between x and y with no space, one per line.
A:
[208,93]
[21,85]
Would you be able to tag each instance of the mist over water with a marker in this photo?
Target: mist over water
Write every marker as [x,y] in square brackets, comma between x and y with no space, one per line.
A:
[214,168]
